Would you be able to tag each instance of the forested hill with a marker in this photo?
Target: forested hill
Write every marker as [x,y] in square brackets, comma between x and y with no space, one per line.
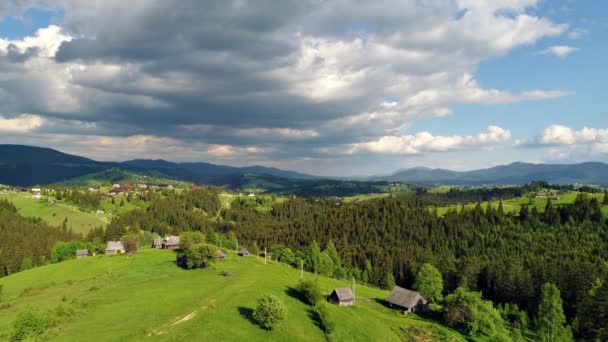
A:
[22,165]
[516,173]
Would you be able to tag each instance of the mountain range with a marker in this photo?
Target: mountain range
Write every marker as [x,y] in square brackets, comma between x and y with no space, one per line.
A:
[22,165]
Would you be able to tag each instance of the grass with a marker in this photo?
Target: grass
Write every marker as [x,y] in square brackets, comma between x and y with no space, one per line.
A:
[133,298]
[80,220]
[514,205]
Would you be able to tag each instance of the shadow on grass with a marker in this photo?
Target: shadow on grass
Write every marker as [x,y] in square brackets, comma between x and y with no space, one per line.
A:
[383,302]
[314,316]
[247,313]
[294,293]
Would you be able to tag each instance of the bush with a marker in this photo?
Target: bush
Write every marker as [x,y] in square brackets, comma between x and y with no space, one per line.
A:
[327,324]
[29,325]
[310,291]
[64,251]
[130,242]
[269,311]
[200,255]
[187,239]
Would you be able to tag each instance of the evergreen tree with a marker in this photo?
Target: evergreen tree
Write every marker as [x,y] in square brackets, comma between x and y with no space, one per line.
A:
[551,319]
[326,266]
[429,283]
[605,201]
[338,271]
[313,257]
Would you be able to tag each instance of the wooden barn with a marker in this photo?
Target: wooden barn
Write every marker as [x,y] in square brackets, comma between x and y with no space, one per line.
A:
[115,247]
[81,253]
[221,255]
[244,252]
[407,300]
[157,243]
[343,296]
[171,242]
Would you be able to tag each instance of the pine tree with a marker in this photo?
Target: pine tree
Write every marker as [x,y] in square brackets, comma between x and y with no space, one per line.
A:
[605,201]
[551,319]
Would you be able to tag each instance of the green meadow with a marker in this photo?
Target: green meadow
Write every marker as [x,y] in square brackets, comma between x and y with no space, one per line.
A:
[146,296]
[514,205]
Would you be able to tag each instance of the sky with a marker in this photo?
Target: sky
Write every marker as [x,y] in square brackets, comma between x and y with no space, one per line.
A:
[327,87]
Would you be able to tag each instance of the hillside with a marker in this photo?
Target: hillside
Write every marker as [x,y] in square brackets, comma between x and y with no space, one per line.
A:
[117,298]
[515,173]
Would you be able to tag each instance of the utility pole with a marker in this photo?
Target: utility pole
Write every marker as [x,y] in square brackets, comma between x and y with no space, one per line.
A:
[301,269]
[265,254]
[237,244]
[353,288]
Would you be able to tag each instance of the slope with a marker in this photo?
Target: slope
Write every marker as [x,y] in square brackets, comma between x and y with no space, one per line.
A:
[118,298]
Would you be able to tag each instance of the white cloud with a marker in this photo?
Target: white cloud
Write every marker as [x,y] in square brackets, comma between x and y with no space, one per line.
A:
[561,51]
[426,142]
[578,33]
[567,144]
[22,123]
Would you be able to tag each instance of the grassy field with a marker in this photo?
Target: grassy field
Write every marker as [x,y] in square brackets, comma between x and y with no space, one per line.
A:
[81,221]
[514,205]
[145,296]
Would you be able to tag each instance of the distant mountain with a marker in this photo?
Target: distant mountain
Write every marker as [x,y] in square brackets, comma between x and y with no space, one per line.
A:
[22,165]
[516,173]
[27,165]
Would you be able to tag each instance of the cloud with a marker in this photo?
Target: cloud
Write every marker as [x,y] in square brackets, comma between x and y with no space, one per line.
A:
[568,143]
[578,33]
[233,73]
[426,142]
[22,123]
[561,51]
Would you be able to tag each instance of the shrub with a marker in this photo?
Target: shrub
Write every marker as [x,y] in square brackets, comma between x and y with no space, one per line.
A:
[200,255]
[327,324]
[269,311]
[64,251]
[187,239]
[130,242]
[310,291]
[29,324]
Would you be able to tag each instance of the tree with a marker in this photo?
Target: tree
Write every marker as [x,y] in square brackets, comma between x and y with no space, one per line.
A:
[389,281]
[269,311]
[605,201]
[593,312]
[429,283]
[130,242]
[326,266]
[310,291]
[313,257]
[188,239]
[466,309]
[64,251]
[288,257]
[338,271]
[551,319]
[200,255]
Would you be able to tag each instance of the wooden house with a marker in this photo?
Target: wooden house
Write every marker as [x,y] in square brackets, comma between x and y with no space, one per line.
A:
[115,247]
[81,253]
[342,297]
[244,252]
[407,300]
[221,255]
[171,242]
[157,243]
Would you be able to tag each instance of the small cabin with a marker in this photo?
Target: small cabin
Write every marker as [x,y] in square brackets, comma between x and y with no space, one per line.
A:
[221,255]
[407,300]
[157,243]
[244,252]
[342,297]
[36,193]
[81,253]
[115,247]
[171,242]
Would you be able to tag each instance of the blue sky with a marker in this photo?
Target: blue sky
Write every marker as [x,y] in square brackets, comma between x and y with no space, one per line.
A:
[334,89]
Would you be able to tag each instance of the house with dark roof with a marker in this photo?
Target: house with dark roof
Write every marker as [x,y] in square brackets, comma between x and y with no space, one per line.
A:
[342,296]
[221,255]
[81,253]
[115,247]
[244,252]
[407,300]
